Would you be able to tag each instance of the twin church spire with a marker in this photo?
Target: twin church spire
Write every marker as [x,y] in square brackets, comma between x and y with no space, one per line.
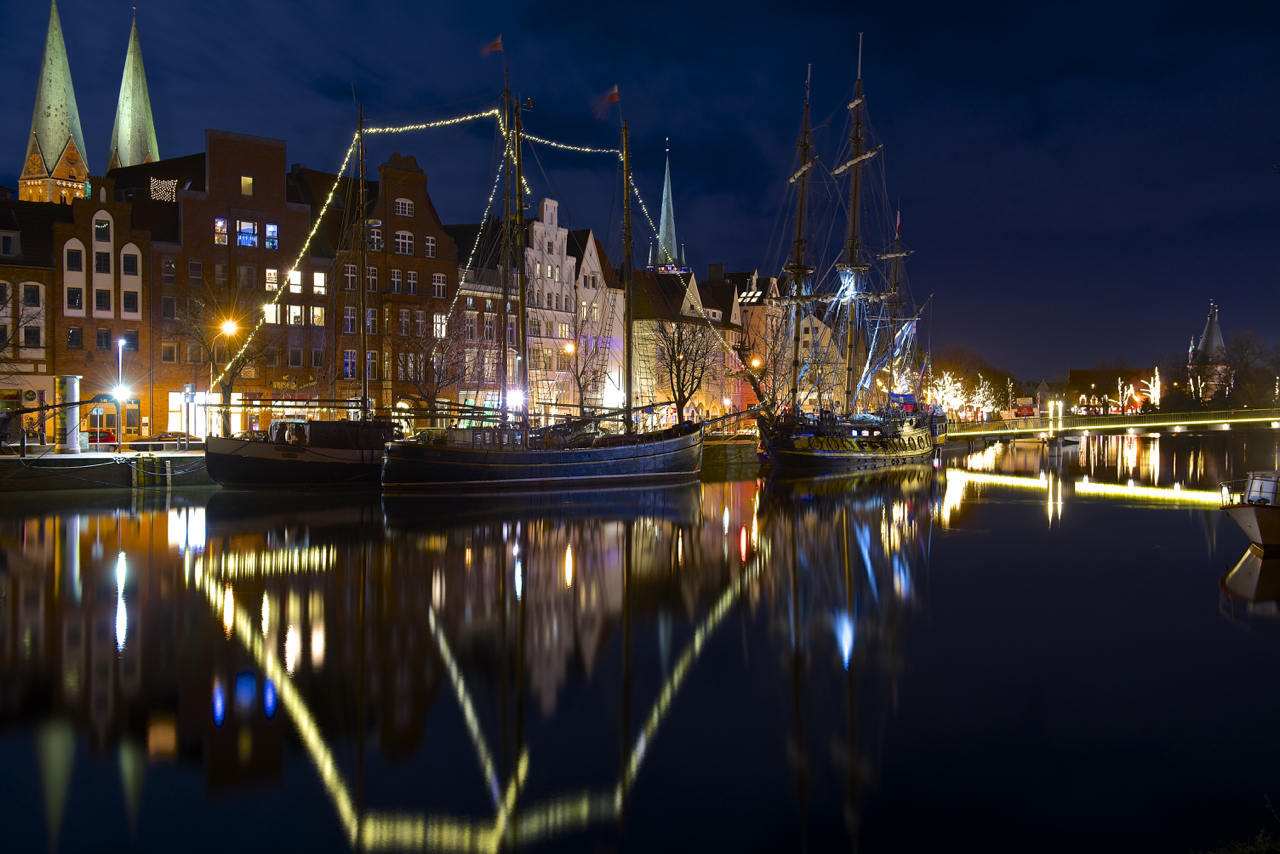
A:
[56,168]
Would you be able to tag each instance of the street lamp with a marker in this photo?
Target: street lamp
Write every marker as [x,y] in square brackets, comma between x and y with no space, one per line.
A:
[227,329]
[121,391]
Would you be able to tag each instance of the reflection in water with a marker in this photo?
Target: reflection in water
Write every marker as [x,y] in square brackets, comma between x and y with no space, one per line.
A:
[1253,583]
[179,630]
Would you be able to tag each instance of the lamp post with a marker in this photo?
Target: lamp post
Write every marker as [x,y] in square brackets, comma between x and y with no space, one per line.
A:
[121,391]
[226,330]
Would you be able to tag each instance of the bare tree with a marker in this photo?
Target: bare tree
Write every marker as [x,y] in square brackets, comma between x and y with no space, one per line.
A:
[219,317]
[589,359]
[683,358]
[433,358]
[766,353]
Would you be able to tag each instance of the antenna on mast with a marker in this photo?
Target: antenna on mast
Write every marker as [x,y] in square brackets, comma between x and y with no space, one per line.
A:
[859,56]
[807,77]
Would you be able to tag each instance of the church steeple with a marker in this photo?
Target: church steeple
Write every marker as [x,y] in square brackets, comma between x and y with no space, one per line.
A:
[133,138]
[668,250]
[55,169]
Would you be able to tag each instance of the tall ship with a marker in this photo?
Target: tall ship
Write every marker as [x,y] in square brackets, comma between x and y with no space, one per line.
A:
[299,453]
[873,419]
[504,452]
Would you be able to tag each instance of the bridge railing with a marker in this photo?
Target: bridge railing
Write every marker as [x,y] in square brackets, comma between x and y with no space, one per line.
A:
[957,429]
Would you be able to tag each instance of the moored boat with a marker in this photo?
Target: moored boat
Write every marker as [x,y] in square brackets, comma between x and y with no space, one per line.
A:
[301,454]
[1254,509]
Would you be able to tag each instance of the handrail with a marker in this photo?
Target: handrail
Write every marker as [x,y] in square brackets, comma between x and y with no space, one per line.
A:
[1084,422]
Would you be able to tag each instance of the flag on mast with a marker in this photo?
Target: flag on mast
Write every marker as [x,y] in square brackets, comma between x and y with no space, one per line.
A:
[496,44]
[600,107]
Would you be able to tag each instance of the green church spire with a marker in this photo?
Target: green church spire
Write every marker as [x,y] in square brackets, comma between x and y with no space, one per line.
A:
[133,139]
[55,122]
[668,250]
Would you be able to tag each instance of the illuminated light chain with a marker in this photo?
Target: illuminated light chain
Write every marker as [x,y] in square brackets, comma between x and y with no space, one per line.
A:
[303,721]
[437,124]
[643,209]
[1161,493]
[566,147]
[280,289]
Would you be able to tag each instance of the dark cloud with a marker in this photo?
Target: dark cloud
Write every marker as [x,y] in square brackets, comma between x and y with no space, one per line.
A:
[1078,179]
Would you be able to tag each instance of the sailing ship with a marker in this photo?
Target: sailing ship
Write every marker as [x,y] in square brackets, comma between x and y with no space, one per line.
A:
[309,453]
[875,426]
[507,454]
[1255,509]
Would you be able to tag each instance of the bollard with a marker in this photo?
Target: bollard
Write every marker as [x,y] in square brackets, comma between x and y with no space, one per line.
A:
[66,418]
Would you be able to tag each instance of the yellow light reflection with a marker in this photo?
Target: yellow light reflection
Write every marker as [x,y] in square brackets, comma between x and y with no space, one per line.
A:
[568,566]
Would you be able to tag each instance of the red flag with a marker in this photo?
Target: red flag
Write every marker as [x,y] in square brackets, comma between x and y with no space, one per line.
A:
[601,106]
[496,44]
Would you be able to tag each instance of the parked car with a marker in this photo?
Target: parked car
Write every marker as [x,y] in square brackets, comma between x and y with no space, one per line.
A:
[159,440]
[100,436]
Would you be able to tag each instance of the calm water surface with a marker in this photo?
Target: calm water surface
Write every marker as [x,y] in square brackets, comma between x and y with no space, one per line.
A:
[1022,652]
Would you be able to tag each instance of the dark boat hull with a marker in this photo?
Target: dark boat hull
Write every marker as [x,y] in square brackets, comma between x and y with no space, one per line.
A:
[814,454]
[419,467]
[239,464]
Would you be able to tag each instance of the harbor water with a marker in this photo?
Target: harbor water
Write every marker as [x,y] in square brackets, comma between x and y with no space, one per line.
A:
[1028,648]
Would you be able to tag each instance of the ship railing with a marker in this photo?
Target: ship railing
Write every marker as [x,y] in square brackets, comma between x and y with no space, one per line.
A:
[1258,488]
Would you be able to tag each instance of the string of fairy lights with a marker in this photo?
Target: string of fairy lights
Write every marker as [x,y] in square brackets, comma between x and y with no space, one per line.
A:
[497,180]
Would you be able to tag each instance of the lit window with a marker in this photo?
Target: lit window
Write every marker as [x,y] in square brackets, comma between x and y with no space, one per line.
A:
[438,285]
[349,320]
[440,325]
[404,207]
[246,185]
[349,276]
[102,231]
[429,247]
[472,320]
[404,243]
[348,364]
[395,281]
[75,263]
[271,313]
[564,330]
[537,269]
[295,281]
[412,282]
[317,315]
[220,230]
[318,284]
[246,233]
[130,265]
[488,327]
[273,236]
[295,315]
[273,278]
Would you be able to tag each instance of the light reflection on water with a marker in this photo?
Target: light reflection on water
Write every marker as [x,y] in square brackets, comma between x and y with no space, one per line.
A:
[373,622]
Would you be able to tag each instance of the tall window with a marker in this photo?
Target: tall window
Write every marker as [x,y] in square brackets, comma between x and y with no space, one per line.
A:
[375,239]
[404,207]
[295,281]
[318,286]
[75,299]
[371,279]
[404,321]
[246,233]
[440,325]
[371,364]
[348,364]
[295,357]
[102,262]
[429,247]
[129,267]
[220,230]
[102,300]
[371,321]
[413,282]
[246,185]
[168,352]
[102,231]
[472,320]
[438,285]
[349,277]
[195,272]
[317,358]
[420,323]
[220,275]
[75,261]
[295,315]
[273,278]
[349,320]
[129,302]
[271,313]
[395,281]
[273,236]
[404,243]
[248,276]
[317,315]
[168,308]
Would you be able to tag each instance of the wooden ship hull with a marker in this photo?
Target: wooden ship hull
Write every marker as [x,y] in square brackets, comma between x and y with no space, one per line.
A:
[337,454]
[490,463]
[824,450]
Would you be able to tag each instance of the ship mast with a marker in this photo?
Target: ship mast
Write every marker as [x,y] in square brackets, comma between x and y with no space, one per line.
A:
[506,245]
[797,268]
[627,343]
[853,265]
[522,355]
[361,284]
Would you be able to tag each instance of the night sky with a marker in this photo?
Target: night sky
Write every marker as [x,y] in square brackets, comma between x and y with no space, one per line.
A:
[1078,180]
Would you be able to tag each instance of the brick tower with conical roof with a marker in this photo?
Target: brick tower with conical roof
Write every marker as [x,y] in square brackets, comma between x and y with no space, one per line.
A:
[55,169]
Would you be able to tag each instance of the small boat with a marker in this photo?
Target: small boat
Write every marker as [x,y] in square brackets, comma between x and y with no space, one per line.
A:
[1255,508]
[297,453]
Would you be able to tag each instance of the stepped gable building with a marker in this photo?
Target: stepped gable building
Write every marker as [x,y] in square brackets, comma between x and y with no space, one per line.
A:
[133,137]
[55,169]
[410,281]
